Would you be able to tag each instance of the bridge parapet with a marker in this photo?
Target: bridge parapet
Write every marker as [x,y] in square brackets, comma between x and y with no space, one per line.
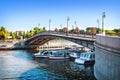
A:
[107,58]
[110,43]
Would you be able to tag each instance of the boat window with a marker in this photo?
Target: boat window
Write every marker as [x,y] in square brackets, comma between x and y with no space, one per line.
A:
[90,56]
[93,56]
[81,55]
[85,55]
[51,53]
[45,53]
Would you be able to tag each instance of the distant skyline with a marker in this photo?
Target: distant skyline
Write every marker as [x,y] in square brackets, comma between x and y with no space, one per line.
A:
[27,14]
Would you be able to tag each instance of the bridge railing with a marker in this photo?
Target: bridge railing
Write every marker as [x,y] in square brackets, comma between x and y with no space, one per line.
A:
[64,34]
[70,34]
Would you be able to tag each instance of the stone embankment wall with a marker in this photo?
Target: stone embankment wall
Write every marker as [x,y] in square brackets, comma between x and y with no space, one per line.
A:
[107,58]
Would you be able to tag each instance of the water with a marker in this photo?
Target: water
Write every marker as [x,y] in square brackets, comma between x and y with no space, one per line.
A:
[21,65]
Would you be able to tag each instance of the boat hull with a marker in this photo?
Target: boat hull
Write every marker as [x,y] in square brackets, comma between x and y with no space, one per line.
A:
[42,57]
[85,62]
[58,58]
[72,58]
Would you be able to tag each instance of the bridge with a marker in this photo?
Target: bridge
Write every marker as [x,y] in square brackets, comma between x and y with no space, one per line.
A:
[41,38]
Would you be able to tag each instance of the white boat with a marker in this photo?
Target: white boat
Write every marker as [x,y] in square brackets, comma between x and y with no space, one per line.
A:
[87,58]
[43,54]
[74,55]
[76,49]
[59,55]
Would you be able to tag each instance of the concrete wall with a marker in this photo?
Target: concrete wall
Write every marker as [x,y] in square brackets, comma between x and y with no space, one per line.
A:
[109,41]
[107,58]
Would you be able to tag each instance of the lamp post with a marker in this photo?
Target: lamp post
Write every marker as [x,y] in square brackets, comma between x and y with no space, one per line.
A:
[49,24]
[75,24]
[67,25]
[61,28]
[39,25]
[98,25]
[103,16]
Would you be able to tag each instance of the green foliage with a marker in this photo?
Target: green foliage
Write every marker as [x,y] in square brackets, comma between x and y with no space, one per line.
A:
[89,30]
[115,32]
[13,35]
[34,31]
[60,30]
[43,29]
[3,33]
[71,31]
[82,31]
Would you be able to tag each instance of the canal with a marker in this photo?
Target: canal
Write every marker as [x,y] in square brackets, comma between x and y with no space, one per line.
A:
[21,65]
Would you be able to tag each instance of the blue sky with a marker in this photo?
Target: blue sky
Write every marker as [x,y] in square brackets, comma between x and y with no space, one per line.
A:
[26,14]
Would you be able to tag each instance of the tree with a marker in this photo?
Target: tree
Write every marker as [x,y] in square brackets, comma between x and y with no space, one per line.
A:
[82,31]
[77,30]
[116,30]
[3,33]
[65,29]
[93,30]
[72,31]
[110,32]
[88,30]
[56,30]
[60,30]
[13,35]
[36,30]
[43,29]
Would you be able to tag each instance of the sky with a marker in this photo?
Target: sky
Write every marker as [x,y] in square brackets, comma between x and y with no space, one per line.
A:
[27,14]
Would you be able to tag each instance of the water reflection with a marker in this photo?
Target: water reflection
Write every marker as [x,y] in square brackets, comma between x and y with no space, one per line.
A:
[21,65]
[68,69]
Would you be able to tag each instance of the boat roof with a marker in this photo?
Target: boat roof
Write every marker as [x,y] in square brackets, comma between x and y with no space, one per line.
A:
[88,53]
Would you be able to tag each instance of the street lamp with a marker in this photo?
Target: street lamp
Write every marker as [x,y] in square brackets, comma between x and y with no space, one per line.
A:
[98,25]
[67,24]
[39,25]
[61,27]
[49,24]
[75,24]
[103,16]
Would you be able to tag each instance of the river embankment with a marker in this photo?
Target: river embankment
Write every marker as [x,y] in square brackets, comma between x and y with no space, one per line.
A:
[54,44]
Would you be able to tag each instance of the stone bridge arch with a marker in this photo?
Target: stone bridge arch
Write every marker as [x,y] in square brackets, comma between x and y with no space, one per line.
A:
[40,39]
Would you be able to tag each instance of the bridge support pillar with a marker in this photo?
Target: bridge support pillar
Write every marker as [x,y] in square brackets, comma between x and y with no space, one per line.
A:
[107,58]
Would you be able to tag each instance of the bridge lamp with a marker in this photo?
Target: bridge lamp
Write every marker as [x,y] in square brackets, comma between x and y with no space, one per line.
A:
[98,25]
[49,24]
[67,24]
[61,27]
[39,25]
[75,24]
[103,16]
